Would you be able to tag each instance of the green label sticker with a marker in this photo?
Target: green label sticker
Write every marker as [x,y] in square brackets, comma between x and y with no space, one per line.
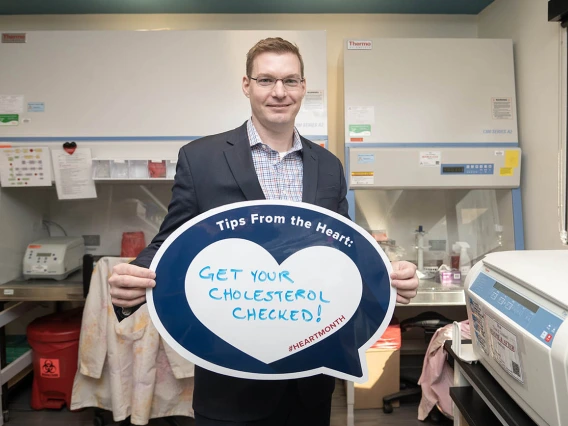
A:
[9,119]
[359,130]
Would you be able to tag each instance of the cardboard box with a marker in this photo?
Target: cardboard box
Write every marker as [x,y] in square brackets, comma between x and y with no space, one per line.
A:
[384,378]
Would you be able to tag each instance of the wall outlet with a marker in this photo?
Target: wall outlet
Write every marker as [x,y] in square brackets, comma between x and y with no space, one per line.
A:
[92,240]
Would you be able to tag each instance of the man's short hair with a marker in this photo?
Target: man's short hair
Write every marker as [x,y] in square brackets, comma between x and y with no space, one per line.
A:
[275,45]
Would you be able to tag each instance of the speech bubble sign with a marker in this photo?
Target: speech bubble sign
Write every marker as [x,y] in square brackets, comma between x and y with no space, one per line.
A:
[272,290]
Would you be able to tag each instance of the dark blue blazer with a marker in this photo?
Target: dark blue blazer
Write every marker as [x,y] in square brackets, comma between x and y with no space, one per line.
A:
[218,170]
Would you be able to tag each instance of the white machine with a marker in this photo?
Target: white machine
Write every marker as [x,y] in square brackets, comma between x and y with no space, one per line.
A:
[53,257]
[517,303]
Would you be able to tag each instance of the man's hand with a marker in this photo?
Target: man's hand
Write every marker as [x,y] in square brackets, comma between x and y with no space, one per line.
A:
[405,280]
[128,284]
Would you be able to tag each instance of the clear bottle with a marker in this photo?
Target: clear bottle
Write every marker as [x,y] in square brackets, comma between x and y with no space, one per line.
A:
[419,246]
[499,232]
[465,258]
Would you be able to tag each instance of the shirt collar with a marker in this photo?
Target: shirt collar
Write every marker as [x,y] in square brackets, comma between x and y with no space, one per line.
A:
[254,137]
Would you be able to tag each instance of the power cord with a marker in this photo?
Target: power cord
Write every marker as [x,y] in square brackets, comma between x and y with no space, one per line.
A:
[47,223]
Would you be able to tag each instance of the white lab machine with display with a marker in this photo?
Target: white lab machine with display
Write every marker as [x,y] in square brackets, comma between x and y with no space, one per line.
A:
[53,258]
[433,163]
[517,304]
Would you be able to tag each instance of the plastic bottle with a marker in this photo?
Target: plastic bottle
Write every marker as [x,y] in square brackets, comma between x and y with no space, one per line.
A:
[419,245]
[465,259]
[499,232]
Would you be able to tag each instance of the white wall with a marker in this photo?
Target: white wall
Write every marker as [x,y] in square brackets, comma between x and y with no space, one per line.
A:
[118,208]
[536,46]
[21,212]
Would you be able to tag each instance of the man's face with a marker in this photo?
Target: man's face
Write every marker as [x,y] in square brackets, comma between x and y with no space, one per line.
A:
[275,107]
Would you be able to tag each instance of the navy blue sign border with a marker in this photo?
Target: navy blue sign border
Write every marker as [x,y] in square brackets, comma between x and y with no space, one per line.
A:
[168,303]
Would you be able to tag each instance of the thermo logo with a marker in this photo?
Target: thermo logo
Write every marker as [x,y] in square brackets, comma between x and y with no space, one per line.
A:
[359,45]
[13,37]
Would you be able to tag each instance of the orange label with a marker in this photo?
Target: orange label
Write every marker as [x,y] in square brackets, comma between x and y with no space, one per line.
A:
[49,368]
[356,139]
[34,246]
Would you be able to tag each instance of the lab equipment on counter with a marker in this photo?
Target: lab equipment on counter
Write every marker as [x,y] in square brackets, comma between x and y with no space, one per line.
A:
[447,276]
[53,257]
[389,246]
[132,244]
[465,258]
[419,241]
[517,303]
[499,232]
[380,235]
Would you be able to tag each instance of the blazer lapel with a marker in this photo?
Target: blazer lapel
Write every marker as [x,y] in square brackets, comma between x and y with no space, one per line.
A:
[310,160]
[239,158]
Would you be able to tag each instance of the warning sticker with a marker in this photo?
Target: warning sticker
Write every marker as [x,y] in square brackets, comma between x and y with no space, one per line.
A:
[362,178]
[49,367]
[504,348]
[502,108]
[511,158]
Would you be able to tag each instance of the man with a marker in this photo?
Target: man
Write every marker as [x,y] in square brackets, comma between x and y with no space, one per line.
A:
[264,158]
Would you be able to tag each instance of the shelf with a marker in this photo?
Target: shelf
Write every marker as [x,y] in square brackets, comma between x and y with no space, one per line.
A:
[437,299]
[472,407]
[44,290]
[133,180]
[486,385]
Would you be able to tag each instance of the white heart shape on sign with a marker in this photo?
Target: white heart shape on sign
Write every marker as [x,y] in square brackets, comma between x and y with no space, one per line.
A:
[269,311]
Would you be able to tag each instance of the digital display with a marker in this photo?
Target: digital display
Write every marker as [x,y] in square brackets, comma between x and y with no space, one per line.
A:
[516,297]
[43,254]
[452,169]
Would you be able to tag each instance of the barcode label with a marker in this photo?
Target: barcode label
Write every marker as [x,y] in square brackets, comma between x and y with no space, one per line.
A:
[516,369]
[505,348]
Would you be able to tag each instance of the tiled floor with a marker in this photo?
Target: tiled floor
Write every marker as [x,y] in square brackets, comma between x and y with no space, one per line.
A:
[20,414]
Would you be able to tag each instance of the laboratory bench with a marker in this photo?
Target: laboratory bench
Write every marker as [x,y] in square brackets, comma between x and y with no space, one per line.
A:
[44,290]
[479,399]
[432,293]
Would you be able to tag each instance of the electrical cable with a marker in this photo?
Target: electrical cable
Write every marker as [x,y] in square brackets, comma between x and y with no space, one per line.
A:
[50,222]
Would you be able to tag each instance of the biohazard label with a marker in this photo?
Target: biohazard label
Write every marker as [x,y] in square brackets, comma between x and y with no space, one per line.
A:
[49,368]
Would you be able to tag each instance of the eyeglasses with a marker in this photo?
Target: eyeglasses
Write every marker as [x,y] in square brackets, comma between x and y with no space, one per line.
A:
[290,83]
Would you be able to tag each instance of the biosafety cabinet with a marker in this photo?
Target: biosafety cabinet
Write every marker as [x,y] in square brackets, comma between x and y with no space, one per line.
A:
[433,162]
